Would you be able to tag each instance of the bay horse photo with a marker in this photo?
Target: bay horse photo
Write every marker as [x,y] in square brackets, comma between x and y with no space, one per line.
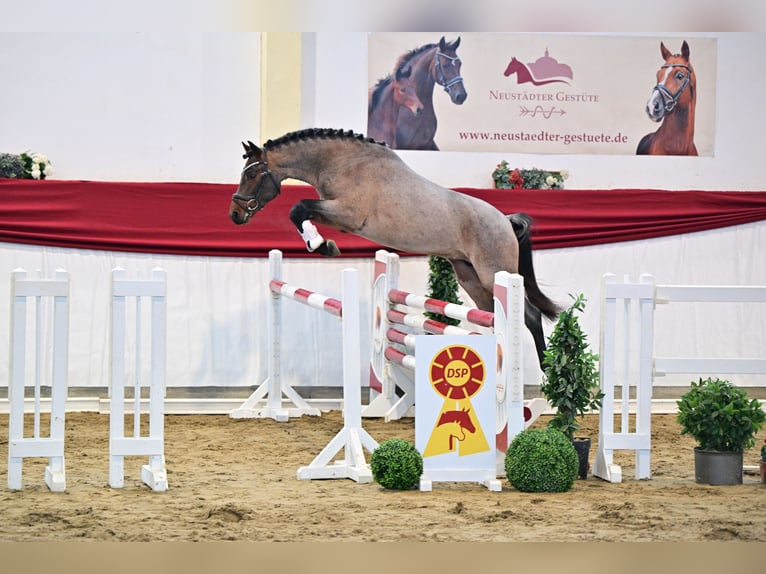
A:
[366,189]
[431,64]
[390,96]
[673,102]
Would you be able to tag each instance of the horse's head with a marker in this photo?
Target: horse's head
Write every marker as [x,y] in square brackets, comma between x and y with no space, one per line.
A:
[676,84]
[513,65]
[447,70]
[257,185]
[405,93]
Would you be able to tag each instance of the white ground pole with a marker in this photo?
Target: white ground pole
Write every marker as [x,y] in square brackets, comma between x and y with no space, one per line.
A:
[153,474]
[52,446]
[638,303]
[266,400]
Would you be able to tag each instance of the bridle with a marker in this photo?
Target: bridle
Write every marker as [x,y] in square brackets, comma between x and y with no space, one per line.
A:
[669,99]
[441,78]
[253,204]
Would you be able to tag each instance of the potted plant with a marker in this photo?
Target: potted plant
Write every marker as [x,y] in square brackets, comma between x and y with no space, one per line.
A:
[571,378]
[723,421]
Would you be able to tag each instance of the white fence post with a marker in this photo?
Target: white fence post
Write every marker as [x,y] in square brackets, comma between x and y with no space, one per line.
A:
[52,446]
[273,387]
[639,301]
[154,473]
[352,438]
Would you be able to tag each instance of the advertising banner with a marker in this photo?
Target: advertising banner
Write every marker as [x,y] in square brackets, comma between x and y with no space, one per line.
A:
[543,93]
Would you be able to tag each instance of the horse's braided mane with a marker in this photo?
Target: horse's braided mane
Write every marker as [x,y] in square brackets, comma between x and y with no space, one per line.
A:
[317,133]
[404,58]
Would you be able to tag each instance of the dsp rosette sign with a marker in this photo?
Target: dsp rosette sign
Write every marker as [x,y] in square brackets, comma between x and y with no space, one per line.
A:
[455,408]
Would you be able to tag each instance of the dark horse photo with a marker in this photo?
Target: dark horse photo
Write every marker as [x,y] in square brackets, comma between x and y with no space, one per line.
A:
[394,118]
[382,199]
[672,102]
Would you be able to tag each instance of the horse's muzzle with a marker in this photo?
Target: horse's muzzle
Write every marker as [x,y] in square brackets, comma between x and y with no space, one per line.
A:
[239,217]
[459,97]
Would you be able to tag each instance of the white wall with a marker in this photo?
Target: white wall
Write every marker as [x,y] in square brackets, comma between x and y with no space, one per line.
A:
[173,106]
[122,106]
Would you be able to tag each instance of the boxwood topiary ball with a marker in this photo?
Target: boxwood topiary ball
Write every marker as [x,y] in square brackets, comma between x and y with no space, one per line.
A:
[396,464]
[541,460]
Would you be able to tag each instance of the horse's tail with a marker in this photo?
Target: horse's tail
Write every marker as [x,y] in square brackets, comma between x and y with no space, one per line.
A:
[522,227]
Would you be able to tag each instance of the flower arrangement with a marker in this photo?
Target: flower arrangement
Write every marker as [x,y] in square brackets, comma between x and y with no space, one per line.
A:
[26,165]
[506,177]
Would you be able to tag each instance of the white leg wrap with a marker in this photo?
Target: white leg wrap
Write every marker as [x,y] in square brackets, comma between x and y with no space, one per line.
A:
[311,235]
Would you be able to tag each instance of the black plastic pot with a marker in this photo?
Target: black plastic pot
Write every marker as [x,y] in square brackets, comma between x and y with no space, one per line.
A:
[582,446]
[717,467]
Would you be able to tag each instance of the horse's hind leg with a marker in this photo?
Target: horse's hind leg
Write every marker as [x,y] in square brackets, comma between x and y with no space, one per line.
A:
[469,280]
[533,319]
[301,216]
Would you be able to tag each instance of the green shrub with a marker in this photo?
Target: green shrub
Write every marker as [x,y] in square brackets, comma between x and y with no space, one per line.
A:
[571,376]
[541,460]
[719,415]
[442,285]
[396,464]
[11,166]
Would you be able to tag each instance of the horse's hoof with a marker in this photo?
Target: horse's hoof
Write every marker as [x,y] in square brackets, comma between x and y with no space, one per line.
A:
[328,249]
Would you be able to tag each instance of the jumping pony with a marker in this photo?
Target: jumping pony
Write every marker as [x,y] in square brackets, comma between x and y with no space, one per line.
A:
[431,64]
[673,102]
[366,189]
[391,95]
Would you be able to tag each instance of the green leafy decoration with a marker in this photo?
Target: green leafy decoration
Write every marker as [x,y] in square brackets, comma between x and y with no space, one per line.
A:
[719,415]
[571,377]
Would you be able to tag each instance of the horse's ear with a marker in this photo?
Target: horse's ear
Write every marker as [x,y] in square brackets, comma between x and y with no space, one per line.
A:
[664,51]
[251,149]
[685,50]
[403,73]
[456,44]
[443,44]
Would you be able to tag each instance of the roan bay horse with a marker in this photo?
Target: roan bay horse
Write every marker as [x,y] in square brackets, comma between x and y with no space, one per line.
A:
[431,64]
[390,95]
[365,188]
[673,102]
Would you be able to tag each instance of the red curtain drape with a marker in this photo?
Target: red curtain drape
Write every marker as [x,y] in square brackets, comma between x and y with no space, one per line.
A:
[192,218]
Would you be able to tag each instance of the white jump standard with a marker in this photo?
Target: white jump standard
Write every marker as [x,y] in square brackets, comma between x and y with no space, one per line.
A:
[51,446]
[153,474]
[638,305]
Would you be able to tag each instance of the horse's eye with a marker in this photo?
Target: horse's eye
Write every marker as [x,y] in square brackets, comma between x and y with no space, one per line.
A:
[680,76]
[252,174]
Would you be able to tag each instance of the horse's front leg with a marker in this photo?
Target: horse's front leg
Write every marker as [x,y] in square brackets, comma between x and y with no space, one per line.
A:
[301,215]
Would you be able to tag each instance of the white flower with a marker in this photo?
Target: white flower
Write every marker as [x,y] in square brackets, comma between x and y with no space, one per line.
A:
[550,181]
[35,172]
[564,174]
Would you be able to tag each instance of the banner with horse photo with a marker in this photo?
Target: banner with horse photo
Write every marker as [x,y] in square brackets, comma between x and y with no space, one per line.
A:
[543,93]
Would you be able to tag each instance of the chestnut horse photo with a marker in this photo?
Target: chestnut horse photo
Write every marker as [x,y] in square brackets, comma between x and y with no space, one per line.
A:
[672,102]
